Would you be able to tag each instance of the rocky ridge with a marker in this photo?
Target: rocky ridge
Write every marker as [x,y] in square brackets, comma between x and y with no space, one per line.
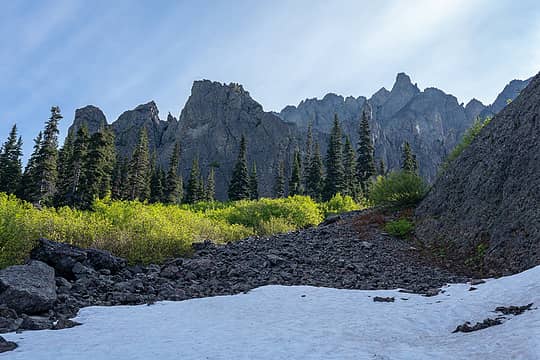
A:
[483,212]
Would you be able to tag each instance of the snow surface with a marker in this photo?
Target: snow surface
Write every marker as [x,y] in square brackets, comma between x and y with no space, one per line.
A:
[300,322]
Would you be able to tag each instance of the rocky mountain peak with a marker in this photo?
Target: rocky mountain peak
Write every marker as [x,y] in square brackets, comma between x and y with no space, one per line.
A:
[91,116]
[402,92]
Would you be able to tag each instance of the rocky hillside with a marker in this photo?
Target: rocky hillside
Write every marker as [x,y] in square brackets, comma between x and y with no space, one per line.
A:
[216,115]
[430,120]
[484,211]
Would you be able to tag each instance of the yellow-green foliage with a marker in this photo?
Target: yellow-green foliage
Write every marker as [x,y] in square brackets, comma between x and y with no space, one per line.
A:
[153,232]
[398,189]
[401,228]
[340,204]
[467,139]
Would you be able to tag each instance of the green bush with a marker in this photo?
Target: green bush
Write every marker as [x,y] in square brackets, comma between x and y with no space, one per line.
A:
[339,204]
[274,226]
[397,190]
[467,139]
[401,228]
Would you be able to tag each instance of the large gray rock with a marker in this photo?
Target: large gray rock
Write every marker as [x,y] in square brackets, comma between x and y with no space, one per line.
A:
[29,288]
[90,116]
[484,210]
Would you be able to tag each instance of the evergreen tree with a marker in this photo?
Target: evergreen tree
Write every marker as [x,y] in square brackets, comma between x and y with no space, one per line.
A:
[295,182]
[335,177]
[71,163]
[365,166]
[349,166]
[173,185]
[47,160]
[10,162]
[193,190]
[409,162]
[156,186]
[139,170]
[307,155]
[29,186]
[98,168]
[279,184]
[201,194]
[120,189]
[253,183]
[315,180]
[239,185]
[382,167]
[210,191]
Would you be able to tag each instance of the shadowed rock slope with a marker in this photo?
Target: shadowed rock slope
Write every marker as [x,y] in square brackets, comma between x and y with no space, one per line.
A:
[484,210]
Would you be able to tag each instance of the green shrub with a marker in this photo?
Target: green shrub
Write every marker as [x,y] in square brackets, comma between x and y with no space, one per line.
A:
[467,139]
[339,204]
[397,190]
[274,226]
[401,228]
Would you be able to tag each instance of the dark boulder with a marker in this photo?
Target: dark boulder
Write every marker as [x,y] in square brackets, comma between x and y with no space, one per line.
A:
[29,288]
[6,345]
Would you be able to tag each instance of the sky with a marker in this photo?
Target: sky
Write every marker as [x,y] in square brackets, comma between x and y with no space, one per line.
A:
[118,54]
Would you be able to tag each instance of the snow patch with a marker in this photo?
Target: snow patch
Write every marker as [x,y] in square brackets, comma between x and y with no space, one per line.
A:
[301,322]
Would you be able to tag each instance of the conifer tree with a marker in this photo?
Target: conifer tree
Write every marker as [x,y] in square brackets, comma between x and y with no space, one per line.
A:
[156,185]
[365,166]
[279,184]
[72,158]
[315,180]
[335,177]
[120,179]
[239,185]
[10,162]
[29,186]
[98,167]
[210,191]
[193,189]
[253,183]
[47,160]
[349,165]
[295,182]
[409,162]
[139,170]
[201,194]
[382,167]
[173,186]
[307,155]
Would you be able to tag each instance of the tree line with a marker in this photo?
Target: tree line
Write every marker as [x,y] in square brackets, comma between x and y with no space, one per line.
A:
[87,167]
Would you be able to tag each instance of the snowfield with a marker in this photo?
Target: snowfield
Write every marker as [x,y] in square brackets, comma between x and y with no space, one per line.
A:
[278,322]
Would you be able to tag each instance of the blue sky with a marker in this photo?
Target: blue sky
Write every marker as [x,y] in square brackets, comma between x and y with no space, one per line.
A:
[118,54]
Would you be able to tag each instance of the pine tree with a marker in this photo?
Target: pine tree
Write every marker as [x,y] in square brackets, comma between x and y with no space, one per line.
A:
[349,165]
[315,180]
[409,162]
[47,160]
[382,167]
[365,166]
[335,177]
[29,186]
[307,155]
[295,182]
[71,163]
[120,189]
[173,186]
[239,185]
[10,162]
[253,183]
[156,185]
[139,170]
[210,191]
[279,184]
[193,189]
[98,168]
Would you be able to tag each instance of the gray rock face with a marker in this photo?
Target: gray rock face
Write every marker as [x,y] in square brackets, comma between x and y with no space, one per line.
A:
[431,121]
[509,93]
[91,116]
[485,208]
[211,125]
[28,289]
